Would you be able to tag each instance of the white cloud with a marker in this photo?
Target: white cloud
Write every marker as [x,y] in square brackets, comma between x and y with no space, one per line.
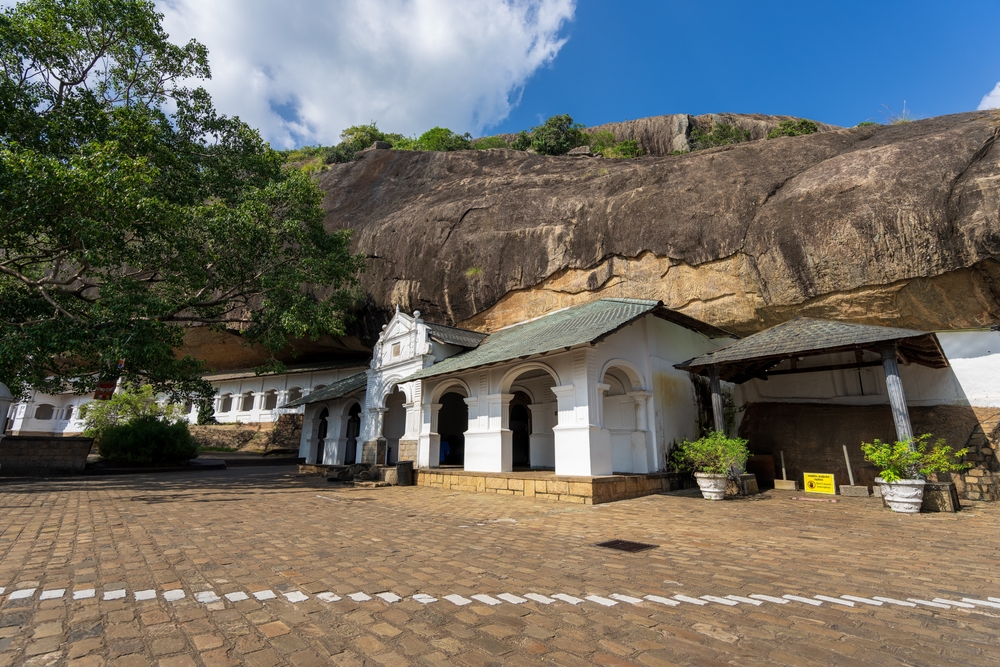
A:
[302,70]
[991,100]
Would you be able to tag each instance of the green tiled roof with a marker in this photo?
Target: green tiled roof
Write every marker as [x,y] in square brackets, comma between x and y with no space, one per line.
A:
[345,387]
[560,330]
[806,336]
[454,336]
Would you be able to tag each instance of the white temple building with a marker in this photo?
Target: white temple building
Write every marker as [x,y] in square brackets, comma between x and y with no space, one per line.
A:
[589,390]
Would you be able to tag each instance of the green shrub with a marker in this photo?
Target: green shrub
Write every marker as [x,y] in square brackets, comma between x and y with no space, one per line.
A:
[602,141]
[715,454]
[722,134]
[522,141]
[624,149]
[910,459]
[126,405]
[443,139]
[489,142]
[147,440]
[866,123]
[556,136]
[793,128]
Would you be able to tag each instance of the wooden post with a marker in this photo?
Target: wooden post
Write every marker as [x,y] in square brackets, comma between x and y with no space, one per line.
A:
[897,399]
[720,421]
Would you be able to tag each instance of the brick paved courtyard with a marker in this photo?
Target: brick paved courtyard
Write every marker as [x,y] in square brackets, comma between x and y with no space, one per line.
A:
[263,567]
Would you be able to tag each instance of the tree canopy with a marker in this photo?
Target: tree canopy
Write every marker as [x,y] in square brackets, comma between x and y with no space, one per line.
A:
[130,209]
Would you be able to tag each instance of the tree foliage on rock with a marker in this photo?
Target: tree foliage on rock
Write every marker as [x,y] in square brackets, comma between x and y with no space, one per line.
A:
[721,134]
[556,136]
[130,209]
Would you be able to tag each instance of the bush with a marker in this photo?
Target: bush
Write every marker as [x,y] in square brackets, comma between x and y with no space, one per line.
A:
[866,123]
[792,128]
[910,459]
[715,454]
[624,149]
[147,440]
[602,141]
[443,139]
[126,405]
[556,136]
[722,134]
[489,142]
[522,141]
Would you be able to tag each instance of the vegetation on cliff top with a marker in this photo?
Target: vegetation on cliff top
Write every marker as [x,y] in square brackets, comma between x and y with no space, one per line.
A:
[130,209]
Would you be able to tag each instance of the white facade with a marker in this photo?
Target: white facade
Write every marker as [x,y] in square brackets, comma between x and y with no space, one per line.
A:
[970,380]
[615,406]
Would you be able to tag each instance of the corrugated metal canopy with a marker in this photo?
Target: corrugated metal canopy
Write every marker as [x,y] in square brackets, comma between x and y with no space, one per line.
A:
[354,384]
[563,329]
[750,357]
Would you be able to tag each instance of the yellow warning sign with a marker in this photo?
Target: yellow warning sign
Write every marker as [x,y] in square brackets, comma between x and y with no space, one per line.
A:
[815,482]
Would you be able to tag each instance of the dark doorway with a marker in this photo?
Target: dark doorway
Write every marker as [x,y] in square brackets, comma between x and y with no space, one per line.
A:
[324,422]
[453,422]
[353,429]
[520,429]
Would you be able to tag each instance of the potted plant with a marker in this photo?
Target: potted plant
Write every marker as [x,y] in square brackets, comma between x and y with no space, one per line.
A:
[904,465]
[713,459]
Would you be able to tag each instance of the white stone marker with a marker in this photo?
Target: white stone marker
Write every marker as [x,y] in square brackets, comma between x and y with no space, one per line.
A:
[567,598]
[423,598]
[626,598]
[238,596]
[982,603]
[601,601]
[457,600]
[54,594]
[744,600]
[685,598]
[662,600]
[768,598]
[360,597]
[146,595]
[894,601]
[174,595]
[388,597]
[717,600]
[928,603]
[827,598]
[206,597]
[114,595]
[84,594]
[799,598]
[296,596]
[26,593]
[328,597]
[513,599]
[265,595]
[541,599]
[486,599]
[855,598]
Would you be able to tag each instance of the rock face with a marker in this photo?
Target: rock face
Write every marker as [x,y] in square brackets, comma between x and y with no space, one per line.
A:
[896,225]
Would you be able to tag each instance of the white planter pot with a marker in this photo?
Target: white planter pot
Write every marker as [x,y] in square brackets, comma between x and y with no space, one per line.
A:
[906,495]
[712,487]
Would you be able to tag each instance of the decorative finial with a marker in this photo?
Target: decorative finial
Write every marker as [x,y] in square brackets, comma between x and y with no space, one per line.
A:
[416,314]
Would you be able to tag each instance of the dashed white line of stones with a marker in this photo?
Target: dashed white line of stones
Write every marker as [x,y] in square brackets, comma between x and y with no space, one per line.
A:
[210,598]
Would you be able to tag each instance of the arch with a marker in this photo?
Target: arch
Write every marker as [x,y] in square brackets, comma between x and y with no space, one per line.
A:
[389,386]
[246,401]
[322,429]
[349,406]
[317,388]
[515,388]
[45,411]
[630,369]
[294,394]
[67,412]
[510,376]
[352,431]
[270,401]
[449,386]
[452,424]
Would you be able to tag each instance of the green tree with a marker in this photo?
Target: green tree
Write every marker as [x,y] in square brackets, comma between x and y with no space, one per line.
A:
[557,136]
[722,134]
[443,139]
[130,209]
[489,142]
[127,405]
[793,128]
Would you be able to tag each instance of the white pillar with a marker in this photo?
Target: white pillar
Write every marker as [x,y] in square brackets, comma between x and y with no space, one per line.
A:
[716,386]
[429,449]
[491,449]
[897,399]
[542,448]
[581,448]
[643,442]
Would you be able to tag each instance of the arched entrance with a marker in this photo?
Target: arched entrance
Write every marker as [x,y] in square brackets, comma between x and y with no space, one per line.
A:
[520,429]
[623,411]
[395,424]
[353,429]
[453,422]
[322,427]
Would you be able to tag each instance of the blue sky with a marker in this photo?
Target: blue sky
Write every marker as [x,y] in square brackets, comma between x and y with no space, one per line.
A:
[836,62]
[303,70]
